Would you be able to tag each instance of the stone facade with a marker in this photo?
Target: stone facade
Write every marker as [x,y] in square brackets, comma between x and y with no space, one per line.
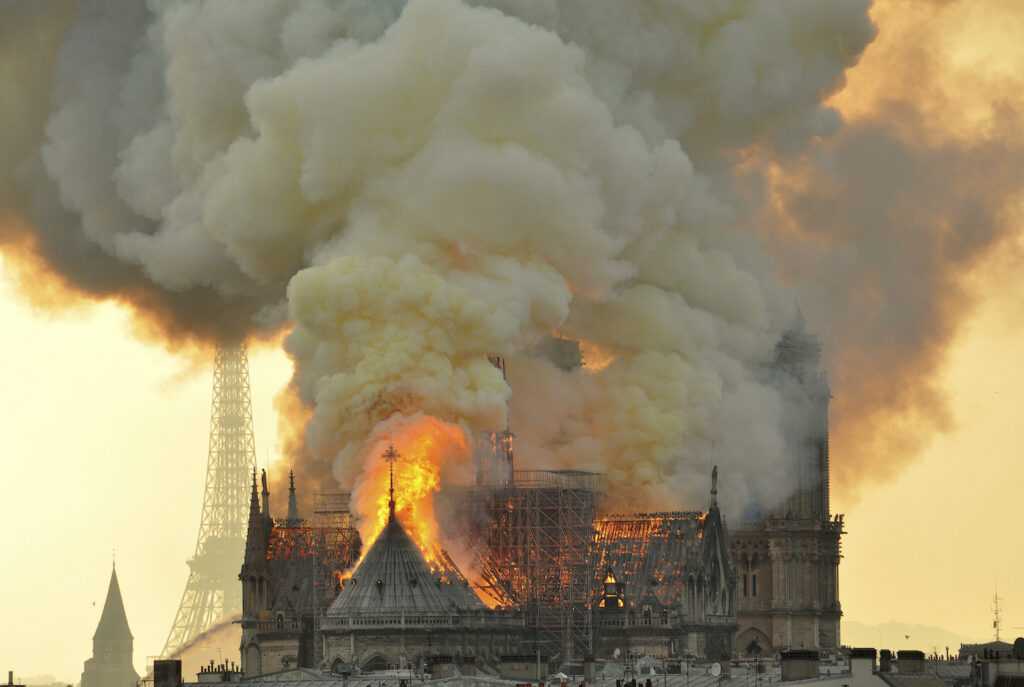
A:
[414,641]
[788,559]
[289,578]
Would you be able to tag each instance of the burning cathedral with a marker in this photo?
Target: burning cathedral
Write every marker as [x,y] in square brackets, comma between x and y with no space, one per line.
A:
[549,575]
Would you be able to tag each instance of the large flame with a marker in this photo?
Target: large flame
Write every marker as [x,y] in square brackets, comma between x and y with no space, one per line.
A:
[425,446]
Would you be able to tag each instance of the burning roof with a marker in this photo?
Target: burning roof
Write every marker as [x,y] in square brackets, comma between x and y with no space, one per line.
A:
[395,577]
[652,555]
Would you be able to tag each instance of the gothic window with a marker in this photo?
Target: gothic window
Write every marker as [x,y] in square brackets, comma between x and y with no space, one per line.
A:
[753,591]
[744,584]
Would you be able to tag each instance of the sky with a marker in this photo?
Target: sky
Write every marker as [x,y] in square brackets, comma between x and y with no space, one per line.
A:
[105,431]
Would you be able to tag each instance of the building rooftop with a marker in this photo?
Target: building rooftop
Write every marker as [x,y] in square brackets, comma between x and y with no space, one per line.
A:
[395,578]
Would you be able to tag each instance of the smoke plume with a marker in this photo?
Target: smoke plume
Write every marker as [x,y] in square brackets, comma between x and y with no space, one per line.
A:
[882,228]
[408,188]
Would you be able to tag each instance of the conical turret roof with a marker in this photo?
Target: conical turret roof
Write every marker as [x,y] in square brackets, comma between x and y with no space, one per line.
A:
[113,625]
[395,577]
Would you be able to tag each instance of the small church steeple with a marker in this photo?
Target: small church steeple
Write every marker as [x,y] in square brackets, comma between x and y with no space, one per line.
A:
[112,644]
[113,625]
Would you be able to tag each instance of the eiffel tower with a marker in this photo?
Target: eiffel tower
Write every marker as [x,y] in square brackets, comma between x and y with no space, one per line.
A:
[213,591]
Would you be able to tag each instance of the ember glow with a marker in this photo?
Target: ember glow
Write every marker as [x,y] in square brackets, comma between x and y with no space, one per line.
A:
[426,447]
[596,357]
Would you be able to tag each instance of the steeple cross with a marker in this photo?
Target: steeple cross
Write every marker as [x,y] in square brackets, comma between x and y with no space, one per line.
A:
[390,455]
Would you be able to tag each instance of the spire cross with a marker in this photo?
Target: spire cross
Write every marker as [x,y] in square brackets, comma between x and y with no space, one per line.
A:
[390,455]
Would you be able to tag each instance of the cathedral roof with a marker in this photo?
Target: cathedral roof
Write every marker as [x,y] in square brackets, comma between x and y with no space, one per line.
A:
[652,555]
[113,623]
[395,577]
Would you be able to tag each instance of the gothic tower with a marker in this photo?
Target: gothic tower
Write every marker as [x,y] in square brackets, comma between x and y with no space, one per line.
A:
[788,558]
[111,662]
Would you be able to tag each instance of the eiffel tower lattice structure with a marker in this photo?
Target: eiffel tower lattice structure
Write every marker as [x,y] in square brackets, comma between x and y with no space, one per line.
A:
[213,591]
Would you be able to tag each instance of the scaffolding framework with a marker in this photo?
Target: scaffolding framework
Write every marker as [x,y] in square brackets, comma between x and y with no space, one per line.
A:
[532,541]
[337,544]
[212,592]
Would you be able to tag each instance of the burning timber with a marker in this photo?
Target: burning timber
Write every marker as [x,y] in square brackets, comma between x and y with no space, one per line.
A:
[667,585]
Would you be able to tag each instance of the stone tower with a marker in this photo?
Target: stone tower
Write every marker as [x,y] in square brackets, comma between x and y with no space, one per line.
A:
[111,662]
[787,559]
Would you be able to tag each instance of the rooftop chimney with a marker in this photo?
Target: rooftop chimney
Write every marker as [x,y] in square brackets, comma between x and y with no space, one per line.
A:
[799,664]
[910,661]
[166,673]
[862,661]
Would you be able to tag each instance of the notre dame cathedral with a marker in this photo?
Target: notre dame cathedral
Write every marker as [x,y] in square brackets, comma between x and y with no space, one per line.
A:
[657,584]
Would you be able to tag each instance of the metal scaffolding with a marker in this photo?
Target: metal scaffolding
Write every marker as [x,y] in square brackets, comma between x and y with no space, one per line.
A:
[532,541]
[212,592]
[336,545]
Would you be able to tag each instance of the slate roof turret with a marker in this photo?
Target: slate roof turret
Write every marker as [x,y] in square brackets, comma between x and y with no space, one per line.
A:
[113,625]
[395,577]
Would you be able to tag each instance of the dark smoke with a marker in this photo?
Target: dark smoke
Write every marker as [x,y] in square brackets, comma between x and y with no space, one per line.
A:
[879,236]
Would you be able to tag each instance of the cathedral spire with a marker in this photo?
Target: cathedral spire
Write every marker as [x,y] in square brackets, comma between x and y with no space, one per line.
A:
[293,506]
[254,500]
[390,455]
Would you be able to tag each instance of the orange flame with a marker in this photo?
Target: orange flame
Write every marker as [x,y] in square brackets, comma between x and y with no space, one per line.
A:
[595,356]
[426,445]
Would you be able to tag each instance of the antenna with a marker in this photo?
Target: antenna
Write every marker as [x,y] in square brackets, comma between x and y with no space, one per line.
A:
[995,611]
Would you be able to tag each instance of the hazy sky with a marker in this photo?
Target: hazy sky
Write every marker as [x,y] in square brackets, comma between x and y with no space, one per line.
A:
[105,437]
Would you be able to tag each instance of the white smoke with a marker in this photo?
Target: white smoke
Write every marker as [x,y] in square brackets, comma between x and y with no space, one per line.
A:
[415,187]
